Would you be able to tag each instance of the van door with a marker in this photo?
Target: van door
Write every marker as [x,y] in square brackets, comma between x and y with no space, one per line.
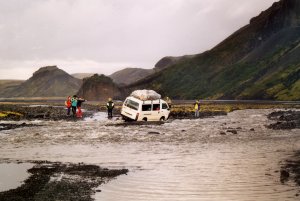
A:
[155,112]
[146,112]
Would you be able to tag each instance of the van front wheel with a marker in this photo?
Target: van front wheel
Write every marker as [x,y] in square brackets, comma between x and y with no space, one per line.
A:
[162,119]
[145,119]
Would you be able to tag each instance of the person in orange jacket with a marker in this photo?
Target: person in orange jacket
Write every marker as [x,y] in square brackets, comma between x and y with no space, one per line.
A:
[68,105]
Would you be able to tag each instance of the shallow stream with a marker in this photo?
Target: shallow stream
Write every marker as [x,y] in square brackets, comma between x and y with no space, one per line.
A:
[179,160]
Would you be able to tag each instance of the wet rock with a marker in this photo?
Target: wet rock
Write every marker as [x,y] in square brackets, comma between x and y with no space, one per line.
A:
[232,131]
[222,133]
[252,129]
[291,169]
[284,120]
[183,130]
[282,125]
[153,133]
[4,126]
[284,176]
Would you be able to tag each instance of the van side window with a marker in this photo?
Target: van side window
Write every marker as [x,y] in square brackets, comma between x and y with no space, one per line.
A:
[164,106]
[146,107]
[156,107]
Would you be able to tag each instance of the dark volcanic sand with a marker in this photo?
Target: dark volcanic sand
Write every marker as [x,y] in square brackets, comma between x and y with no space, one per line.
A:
[58,181]
[285,120]
[291,170]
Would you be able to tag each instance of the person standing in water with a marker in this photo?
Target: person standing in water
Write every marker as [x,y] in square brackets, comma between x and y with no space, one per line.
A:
[68,104]
[196,108]
[110,106]
[74,104]
[80,100]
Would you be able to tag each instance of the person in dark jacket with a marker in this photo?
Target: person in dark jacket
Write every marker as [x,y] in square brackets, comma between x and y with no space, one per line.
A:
[80,100]
[110,106]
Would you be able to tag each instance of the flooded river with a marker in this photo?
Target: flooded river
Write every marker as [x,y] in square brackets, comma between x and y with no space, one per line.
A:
[179,160]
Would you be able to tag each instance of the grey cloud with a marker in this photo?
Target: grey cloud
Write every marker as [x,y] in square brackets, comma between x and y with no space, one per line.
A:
[99,35]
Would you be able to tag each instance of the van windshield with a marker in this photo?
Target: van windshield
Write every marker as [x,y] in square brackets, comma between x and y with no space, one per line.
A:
[164,106]
[132,104]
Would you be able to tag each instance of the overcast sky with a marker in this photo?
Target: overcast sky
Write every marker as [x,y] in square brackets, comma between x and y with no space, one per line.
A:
[103,36]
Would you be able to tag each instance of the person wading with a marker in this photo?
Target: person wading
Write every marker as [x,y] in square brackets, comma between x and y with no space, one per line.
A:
[196,108]
[68,104]
[110,106]
[80,100]
[74,104]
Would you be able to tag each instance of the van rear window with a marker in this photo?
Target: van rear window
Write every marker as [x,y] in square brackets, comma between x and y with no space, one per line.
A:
[132,104]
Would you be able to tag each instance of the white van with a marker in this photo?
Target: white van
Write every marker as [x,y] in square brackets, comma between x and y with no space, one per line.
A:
[145,110]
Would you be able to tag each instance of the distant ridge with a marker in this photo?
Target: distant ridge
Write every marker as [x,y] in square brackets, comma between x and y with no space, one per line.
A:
[48,81]
[130,75]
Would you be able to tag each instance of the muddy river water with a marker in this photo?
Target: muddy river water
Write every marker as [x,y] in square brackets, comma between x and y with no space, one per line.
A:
[179,160]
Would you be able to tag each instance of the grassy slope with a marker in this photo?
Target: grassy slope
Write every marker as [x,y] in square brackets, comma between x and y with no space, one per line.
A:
[260,61]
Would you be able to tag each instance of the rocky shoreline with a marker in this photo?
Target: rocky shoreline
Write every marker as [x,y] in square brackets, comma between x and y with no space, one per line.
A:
[61,181]
[284,120]
[40,112]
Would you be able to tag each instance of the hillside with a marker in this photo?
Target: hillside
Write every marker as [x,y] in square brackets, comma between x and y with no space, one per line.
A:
[99,88]
[48,81]
[130,75]
[7,85]
[259,61]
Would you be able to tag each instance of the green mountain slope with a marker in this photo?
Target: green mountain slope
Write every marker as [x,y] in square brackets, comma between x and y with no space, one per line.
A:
[259,61]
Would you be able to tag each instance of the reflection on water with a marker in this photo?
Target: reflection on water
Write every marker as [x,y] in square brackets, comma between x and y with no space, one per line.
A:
[12,175]
[187,160]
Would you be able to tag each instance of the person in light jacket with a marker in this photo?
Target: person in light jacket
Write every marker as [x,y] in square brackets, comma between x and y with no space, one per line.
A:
[74,104]
[196,108]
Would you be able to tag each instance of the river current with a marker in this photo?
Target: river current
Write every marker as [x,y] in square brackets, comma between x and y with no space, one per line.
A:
[179,160]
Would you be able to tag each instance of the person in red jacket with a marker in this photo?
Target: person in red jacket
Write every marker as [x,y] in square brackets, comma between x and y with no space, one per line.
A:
[68,105]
